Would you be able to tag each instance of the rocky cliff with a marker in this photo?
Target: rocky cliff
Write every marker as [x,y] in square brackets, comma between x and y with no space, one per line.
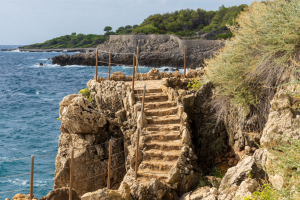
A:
[156,51]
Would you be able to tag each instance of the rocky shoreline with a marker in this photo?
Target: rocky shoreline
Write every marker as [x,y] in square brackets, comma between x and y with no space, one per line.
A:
[154,51]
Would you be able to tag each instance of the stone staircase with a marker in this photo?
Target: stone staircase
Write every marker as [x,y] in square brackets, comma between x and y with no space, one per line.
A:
[162,144]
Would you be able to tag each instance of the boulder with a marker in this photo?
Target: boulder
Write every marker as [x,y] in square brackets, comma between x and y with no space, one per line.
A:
[23,197]
[79,118]
[61,194]
[156,188]
[174,175]
[246,188]
[236,175]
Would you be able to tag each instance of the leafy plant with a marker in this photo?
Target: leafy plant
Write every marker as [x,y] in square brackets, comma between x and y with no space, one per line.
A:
[265,193]
[218,173]
[86,93]
[195,85]
[202,182]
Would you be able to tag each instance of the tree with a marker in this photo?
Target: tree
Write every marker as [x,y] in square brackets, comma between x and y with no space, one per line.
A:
[80,36]
[107,28]
[128,27]
[121,28]
[73,33]
[73,41]
[134,26]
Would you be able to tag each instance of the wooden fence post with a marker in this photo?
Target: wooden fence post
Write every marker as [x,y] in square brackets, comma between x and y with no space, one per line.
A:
[31,177]
[133,70]
[137,62]
[71,175]
[109,165]
[138,136]
[185,62]
[96,78]
[109,65]
[137,152]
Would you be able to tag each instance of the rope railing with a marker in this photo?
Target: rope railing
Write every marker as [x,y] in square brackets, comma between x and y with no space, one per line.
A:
[135,63]
[136,70]
[115,140]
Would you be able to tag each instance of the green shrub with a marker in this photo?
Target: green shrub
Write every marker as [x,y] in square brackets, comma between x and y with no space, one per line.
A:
[266,37]
[195,85]
[265,193]
[86,93]
[146,29]
[224,36]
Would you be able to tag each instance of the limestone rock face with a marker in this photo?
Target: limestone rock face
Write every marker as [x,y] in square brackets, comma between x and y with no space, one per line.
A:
[234,192]
[152,52]
[79,117]
[60,194]
[102,194]
[281,122]
[22,197]
[174,175]
[86,127]
[236,175]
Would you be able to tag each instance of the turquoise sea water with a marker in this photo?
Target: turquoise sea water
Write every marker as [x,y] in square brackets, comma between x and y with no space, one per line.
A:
[29,107]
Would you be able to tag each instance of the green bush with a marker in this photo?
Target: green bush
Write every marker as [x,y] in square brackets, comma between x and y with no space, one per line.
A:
[266,37]
[146,29]
[195,85]
[86,93]
[265,193]
[224,36]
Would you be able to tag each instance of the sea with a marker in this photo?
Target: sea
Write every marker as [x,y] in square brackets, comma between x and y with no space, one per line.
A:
[29,108]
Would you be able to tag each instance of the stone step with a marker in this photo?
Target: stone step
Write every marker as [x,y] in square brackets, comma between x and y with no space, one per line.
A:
[148,175]
[163,127]
[165,104]
[159,155]
[169,119]
[162,136]
[161,111]
[162,166]
[152,97]
[163,145]
[140,91]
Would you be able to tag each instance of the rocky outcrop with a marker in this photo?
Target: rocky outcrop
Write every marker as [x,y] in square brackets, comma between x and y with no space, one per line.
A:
[156,52]
[86,127]
[61,194]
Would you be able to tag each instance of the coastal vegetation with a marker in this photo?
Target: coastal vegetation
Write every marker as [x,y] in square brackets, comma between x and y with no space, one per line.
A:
[266,38]
[70,41]
[262,57]
[183,23]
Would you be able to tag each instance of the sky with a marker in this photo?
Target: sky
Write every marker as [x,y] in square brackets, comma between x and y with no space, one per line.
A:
[35,21]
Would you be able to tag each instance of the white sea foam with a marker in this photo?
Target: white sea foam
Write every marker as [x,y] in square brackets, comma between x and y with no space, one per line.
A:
[43,59]
[17,50]
[37,92]
[19,182]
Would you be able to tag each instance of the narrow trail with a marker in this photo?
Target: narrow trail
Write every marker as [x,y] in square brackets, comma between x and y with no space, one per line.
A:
[162,135]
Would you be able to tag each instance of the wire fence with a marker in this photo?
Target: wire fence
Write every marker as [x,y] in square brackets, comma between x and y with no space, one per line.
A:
[97,150]
[118,151]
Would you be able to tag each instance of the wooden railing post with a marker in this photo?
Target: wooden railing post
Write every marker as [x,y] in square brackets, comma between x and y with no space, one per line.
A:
[137,152]
[31,177]
[96,78]
[185,62]
[109,65]
[137,62]
[133,70]
[138,135]
[71,175]
[109,164]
